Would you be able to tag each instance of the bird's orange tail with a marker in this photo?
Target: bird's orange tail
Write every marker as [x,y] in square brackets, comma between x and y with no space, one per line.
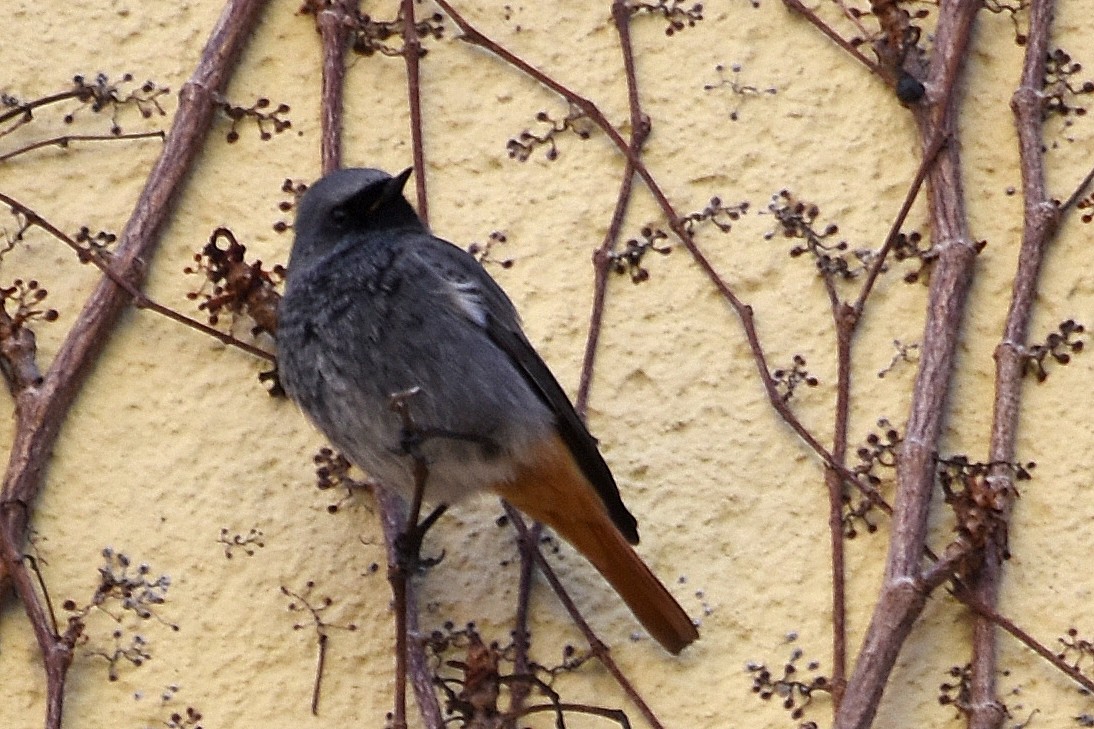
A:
[552,489]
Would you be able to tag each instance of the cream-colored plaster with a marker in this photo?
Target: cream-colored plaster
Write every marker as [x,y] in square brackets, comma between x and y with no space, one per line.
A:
[173,438]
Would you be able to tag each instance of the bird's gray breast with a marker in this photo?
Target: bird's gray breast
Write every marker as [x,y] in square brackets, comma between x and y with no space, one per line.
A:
[361,327]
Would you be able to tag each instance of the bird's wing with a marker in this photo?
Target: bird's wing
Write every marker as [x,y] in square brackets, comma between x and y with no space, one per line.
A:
[484,302]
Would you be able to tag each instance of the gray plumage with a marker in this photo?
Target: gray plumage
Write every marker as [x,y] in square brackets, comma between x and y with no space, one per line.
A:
[375,305]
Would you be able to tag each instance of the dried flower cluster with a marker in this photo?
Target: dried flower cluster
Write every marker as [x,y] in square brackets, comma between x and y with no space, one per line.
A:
[238,287]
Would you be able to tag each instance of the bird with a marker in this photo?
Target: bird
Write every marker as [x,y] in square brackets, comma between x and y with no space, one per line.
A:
[375,306]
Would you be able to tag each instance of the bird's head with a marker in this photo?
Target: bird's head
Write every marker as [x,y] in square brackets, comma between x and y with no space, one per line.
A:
[347,201]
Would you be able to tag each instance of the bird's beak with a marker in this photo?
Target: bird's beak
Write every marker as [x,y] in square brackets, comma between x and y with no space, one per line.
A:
[395,185]
[392,189]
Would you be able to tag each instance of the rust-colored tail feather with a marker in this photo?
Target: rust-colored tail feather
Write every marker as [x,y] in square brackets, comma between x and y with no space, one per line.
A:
[552,489]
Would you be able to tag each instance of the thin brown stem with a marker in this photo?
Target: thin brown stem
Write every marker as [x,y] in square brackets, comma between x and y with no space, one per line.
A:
[529,538]
[27,109]
[320,664]
[411,659]
[1077,195]
[528,544]
[877,265]
[1026,639]
[139,298]
[398,578]
[1041,218]
[599,649]
[412,54]
[845,320]
[796,6]
[602,256]
[333,24]
[68,139]
[602,262]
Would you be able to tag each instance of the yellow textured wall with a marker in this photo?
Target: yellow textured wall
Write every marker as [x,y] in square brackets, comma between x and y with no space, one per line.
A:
[173,437]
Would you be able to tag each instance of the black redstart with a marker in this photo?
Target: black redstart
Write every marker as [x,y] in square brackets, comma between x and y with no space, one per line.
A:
[375,305]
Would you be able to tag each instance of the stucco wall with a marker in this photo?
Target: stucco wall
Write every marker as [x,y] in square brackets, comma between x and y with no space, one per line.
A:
[173,438]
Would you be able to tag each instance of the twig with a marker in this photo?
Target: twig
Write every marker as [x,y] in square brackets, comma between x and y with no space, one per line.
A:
[1041,216]
[528,545]
[393,522]
[561,707]
[1025,639]
[404,558]
[41,410]
[599,649]
[602,259]
[844,320]
[320,664]
[602,262]
[900,602]
[412,53]
[28,108]
[139,298]
[796,6]
[878,263]
[332,21]
[1077,195]
[67,139]
[303,603]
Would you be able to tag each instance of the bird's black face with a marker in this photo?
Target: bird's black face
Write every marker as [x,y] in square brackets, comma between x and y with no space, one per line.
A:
[376,205]
[348,201]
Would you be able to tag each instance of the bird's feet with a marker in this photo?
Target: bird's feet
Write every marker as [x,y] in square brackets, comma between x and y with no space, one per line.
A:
[408,545]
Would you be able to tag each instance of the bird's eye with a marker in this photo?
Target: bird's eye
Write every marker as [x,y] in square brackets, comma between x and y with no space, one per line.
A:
[338,215]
